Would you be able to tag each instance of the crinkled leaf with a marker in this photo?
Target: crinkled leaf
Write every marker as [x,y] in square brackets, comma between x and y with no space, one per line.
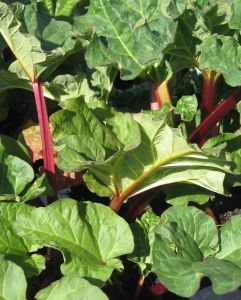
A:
[231,146]
[187,242]
[127,34]
[90,236]
[79,120]
[12,246]
[222,54]
[71,288]
[187,107]
[13,284]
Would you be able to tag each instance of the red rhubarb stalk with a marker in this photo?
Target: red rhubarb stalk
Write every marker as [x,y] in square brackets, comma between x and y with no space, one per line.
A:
[222,109]
[209,91]
[48,156]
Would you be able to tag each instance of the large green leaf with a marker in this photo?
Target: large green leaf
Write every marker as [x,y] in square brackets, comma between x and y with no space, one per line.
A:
[130,34]
[13,247]
[187,248]
[222,54]
[13,284]
[71,288]
[90,236]
[162,157]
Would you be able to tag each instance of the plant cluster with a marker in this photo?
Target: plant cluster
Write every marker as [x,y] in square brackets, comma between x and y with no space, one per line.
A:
[137,101]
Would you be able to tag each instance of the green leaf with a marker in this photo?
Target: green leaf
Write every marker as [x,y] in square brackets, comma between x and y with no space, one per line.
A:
[187,107]
[50,31]
[71,288]
[187,241]
[90,236]
[235,21]
[144,238]
[14,147]
[32,61]
[15,248]
[162,157]
[79,120]
[13,284]
[40,187]
[222,54]
[126,34]
[182,194]
[61,7]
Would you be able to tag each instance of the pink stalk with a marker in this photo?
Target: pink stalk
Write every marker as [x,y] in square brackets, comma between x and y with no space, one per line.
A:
[155,102]
[221,110]
[48,156]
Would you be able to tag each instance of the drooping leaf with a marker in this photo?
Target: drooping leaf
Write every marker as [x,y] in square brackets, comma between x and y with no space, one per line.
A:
[162,157]
[13,284]
[90,236]
[71,288]
[186,240]
[182,194]
[13,247]
[31,61]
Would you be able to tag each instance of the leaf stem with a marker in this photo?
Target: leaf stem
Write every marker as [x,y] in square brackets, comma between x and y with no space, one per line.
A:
[139,287]
[160,94]
[209,91]
[48,156]
[222,109]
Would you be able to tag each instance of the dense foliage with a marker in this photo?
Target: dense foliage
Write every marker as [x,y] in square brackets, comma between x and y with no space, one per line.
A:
[138,103]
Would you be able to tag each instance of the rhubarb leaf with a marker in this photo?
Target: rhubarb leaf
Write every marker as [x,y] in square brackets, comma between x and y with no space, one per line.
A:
[162,157]
[32,61]
[13,285]
[15,248]
[80,121]
[144,239]
[187,107]
[235,21]
[182,194]
[71,288]
[187,240]
[90,236]
[61,7]
[126,34]
[222,54]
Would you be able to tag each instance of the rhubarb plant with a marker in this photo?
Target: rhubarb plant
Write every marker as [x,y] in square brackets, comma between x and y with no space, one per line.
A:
[144,131]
